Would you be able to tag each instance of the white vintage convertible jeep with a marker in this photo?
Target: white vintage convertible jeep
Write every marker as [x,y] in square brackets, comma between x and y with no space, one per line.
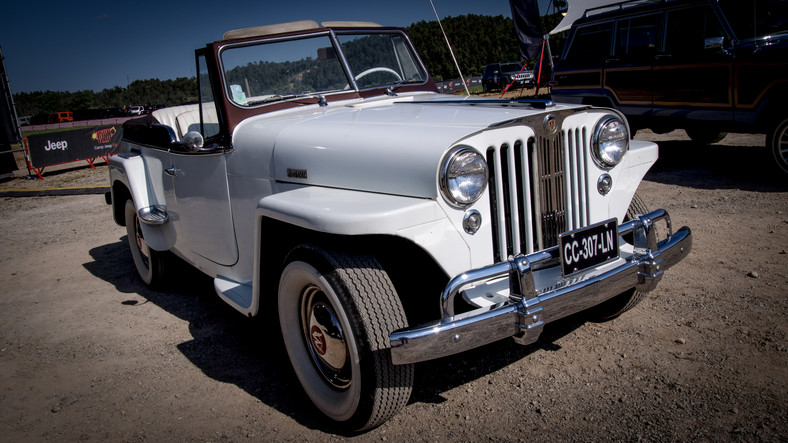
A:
[321,176]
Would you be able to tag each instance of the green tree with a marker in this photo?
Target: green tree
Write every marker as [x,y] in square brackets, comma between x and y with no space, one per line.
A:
[476,39]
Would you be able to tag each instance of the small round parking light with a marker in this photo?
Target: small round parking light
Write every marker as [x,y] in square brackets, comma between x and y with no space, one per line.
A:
[604,184]
[472,221]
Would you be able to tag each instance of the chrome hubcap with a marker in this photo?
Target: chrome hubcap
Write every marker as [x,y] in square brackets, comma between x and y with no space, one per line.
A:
[324,338]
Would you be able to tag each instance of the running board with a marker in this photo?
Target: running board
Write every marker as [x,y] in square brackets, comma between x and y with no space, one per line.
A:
[237,295]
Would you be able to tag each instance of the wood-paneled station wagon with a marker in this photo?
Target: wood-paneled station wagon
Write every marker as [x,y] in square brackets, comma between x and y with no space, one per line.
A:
[321,177]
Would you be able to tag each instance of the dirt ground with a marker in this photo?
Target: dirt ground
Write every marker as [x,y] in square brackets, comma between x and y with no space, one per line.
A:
[89,353]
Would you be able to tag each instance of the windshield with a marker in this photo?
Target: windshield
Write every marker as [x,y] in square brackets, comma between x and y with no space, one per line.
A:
[756,18]
[282,69]
[511,67]
[380,59]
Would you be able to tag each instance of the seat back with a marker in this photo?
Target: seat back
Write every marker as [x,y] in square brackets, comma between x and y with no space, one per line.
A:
[185,118]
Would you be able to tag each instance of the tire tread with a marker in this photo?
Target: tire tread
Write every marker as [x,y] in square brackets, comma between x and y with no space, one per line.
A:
[375,304]
[622,303]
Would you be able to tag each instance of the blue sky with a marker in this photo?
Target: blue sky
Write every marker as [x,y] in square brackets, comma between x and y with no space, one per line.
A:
[72,46]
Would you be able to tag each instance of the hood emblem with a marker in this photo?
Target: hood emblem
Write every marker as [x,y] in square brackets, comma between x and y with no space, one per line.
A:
[296,173]
[550,124]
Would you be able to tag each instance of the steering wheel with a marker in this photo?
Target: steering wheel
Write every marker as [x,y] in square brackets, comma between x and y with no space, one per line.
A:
[375,69]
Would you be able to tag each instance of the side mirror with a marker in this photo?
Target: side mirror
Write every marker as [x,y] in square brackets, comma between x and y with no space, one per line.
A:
[713,42]
[326,53]
[193,140]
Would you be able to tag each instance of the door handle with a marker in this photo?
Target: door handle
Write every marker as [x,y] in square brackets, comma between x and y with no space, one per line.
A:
[174,172]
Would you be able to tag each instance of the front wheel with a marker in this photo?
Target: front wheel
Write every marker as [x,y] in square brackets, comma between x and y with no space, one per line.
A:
[777,142]
[336,311]
[622,303]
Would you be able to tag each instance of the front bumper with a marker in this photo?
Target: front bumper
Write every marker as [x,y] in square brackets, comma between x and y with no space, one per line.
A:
[528,310]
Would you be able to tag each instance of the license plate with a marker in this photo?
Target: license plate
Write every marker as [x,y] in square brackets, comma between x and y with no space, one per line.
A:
[588,247]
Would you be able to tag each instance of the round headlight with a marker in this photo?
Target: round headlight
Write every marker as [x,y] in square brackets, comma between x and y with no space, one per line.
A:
[463,176]
[611,141]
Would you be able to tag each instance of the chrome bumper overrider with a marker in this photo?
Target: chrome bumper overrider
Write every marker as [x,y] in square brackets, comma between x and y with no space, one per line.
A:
[529,310]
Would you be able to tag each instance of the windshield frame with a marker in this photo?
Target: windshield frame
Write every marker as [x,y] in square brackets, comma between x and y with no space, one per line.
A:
[334,37]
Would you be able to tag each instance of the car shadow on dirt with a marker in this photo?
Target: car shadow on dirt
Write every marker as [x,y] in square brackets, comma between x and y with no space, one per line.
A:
[685,163]
[249,353]
[225,345]
[435,377]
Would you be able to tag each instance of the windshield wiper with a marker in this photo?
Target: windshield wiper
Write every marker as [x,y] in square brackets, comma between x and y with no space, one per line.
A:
[273,98]
[278,97]
[390,90]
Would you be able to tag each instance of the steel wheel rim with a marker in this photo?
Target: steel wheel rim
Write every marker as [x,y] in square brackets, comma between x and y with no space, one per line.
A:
[325,338]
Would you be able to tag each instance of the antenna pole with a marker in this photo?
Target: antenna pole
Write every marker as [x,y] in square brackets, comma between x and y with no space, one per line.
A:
[450,50]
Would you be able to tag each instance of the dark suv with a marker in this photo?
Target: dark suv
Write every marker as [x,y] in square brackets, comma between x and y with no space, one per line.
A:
[707,66]
[498,75]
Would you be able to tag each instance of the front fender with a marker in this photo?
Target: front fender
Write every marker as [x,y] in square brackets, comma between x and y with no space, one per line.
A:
[345,212]
[638,160]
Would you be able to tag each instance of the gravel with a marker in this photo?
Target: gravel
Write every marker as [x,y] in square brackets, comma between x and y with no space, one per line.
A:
[89,353]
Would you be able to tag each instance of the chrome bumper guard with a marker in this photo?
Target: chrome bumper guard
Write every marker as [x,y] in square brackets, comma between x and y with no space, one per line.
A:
[525,315]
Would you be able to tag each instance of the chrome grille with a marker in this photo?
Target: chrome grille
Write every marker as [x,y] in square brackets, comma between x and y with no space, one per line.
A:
[537,190]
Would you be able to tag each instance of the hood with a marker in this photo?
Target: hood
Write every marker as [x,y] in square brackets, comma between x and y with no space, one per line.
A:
[393,145]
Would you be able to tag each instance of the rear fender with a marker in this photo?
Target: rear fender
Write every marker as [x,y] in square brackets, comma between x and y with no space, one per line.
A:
[130,170]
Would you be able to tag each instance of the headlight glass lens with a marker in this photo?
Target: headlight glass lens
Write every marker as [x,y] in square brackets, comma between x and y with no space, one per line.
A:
[611,141]
[463,176]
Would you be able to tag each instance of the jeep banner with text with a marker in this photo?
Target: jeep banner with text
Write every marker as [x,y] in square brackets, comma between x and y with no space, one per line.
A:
[54,148]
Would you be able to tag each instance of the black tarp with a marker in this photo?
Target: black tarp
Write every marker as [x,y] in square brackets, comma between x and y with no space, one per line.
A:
[527,27]
[9,130]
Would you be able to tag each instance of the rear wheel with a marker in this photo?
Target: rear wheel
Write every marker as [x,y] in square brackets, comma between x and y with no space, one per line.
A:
[622,303]
[150,264]
[777,142]
[336,311]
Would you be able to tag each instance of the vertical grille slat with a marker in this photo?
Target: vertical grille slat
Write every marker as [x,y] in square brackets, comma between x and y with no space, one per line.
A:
[583,179]
[514,201]
[573,139]
[497,204]
[570,163]
[537,190]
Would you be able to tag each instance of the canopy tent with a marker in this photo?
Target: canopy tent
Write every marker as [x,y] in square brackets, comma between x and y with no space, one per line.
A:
[576,10]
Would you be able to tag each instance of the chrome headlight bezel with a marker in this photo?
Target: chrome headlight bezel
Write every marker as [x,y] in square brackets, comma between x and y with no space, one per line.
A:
[463,176]
[610,141]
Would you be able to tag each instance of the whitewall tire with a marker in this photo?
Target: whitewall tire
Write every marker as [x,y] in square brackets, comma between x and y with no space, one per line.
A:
[336,311]
[150,264]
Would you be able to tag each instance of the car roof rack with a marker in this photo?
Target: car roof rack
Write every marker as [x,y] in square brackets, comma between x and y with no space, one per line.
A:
[620,6]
